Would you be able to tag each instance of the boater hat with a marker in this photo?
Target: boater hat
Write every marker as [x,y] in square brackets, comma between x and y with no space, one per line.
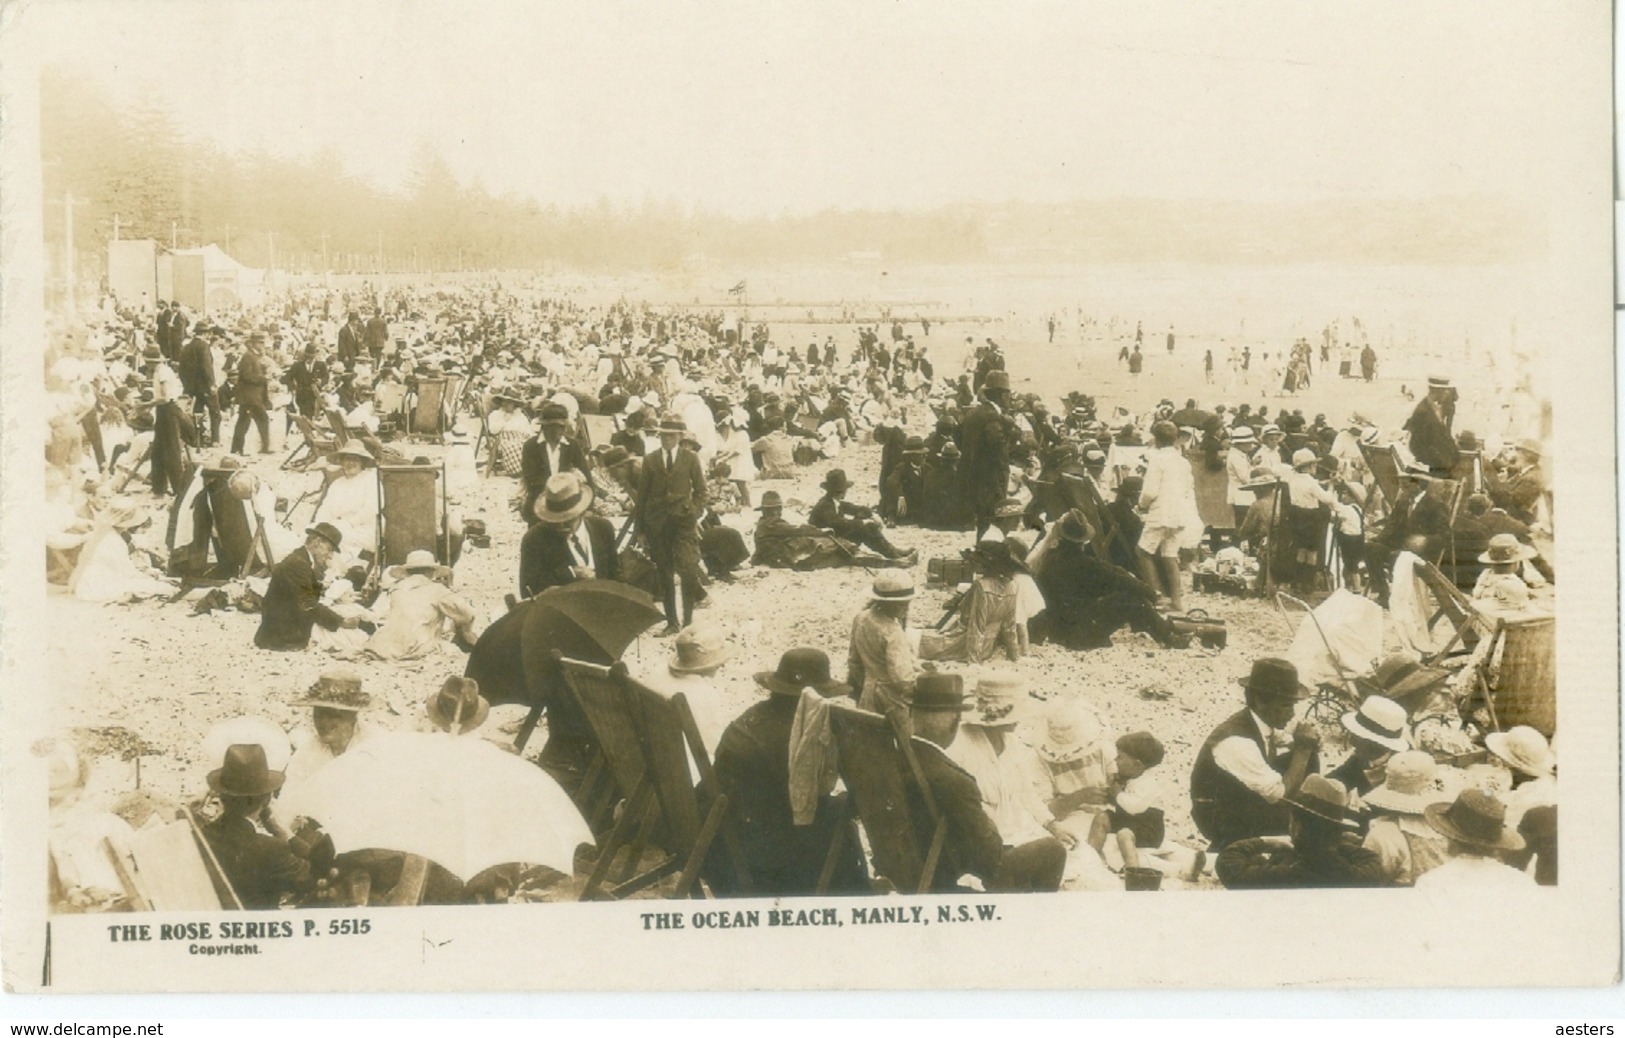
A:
[1379,720]
[565,497]
[244,773]
[673,424]
[458,704]
[1324,798]
[892,585]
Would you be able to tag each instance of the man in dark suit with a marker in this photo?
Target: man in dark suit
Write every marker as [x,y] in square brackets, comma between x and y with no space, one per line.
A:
[350,343]
[973,844]
[1432,443]
[851,522]
[567,543]
[753,769]
[172,432]
[375,336]
[984,442]
[260,868]
[549,454]
[253,397]
[1417,523]
[306,377]
[176,337]
[293,602]
[196,369]
[1250,765]
[671,498]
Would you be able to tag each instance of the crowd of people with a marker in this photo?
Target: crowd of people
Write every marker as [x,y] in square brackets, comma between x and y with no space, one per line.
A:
[654,446]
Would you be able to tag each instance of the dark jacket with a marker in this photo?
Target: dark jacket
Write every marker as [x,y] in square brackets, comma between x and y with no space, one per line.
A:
[261,868]
[349,344]
[253,381]
[1223,809]
[753,769]
[973,844]
[293,605]
[545,559]
[670,500]
[534,467]
[843,518]
[1266,864]
[196,368]
[984,465]
[1431,440]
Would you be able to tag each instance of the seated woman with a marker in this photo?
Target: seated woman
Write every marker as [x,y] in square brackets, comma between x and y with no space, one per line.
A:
[985,621]
[350,501]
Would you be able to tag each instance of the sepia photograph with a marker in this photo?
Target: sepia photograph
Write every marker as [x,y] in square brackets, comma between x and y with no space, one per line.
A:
[716,496]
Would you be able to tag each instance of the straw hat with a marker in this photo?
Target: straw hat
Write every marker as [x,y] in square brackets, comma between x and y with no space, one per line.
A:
[354,449]
[1000,698]
[699,649]
[1524,749]
[458,704]
[1243,434]
[1505,548]
[1324,798]
[892,585]
[338,688]
[565,497]
[419,561]
[1303,458]
[673,424]
[1379,720]
[1474,818]
[1408,784]
[1261,478]
[1401,677]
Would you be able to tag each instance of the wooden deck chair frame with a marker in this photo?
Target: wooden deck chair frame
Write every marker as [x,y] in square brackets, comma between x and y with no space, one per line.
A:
[886,813]
[428,418]
[392,550]
[1385,466]
[1470,624]
[1085,497]
[130,872]
[313,445]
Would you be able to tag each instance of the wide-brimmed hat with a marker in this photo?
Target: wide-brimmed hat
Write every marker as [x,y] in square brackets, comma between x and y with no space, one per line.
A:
[699,648]
[836,481]
[913,445]
[996,380]
[673,424]
[1274,677]
[327,532]
[458,704]
[1270,430]
[1261,478]
[1069,733]
[1000,699]
[613,457]
[565,497]
[354,449]
[419,561]
[800,669]
[1475,818]
[1324,798]
[1075,528]
[1243,434]
[939,691]
[1407,784]
[770,501]
[506,395]
[1439,382]
[892,585]
[244,773]
[1379,720]
[338,688]
[554,414]
[1401,677]
[1303,457]
[1506,548]
[1525,749]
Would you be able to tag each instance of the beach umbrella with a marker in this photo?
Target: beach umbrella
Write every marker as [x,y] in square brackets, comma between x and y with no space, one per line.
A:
[1190,417]
[458,801]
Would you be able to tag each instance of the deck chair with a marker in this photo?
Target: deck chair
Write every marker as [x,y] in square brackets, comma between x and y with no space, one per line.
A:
[678,818]
[171,868]
[598,429]
[1385,468]
[617,773]
[224,534]
[335,422]
[891,797]
[1081,493]
[1470,625]
[313,445]
[428,416]
[412,512]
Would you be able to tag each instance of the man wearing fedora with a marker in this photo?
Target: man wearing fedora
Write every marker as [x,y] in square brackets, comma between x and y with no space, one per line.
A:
[422,612]
[1087,600]
[567,542]
[548,454]
[1416,523]
[753,768]
[671,498]
[1250,764]
[973,845]
[293,601]
[261,868]
[253,396]
[1514,480]
[1474,825]
[196,369]
[851,522]
[1323,853]
[985,435]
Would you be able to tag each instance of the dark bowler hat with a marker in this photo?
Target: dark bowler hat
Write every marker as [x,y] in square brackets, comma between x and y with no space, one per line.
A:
[327,532]
[771,501]
[836,481]
[939,691]
[244,773]
[799,669]
[1274,678]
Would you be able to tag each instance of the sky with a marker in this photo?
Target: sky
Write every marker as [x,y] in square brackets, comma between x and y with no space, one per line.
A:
[764,107]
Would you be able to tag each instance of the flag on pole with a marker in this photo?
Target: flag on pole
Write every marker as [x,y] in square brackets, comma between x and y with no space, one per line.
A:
[737,290]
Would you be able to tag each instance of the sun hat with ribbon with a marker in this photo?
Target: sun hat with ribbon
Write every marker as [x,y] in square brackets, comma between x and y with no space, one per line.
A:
[355,450]
[1505,548]
[1524,749]
[1000,698]
[1408,785]
[1379,720]
[338,688]
[1070,732]
[892,585]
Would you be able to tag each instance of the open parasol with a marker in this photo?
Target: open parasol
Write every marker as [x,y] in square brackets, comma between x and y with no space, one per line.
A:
[458,801]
